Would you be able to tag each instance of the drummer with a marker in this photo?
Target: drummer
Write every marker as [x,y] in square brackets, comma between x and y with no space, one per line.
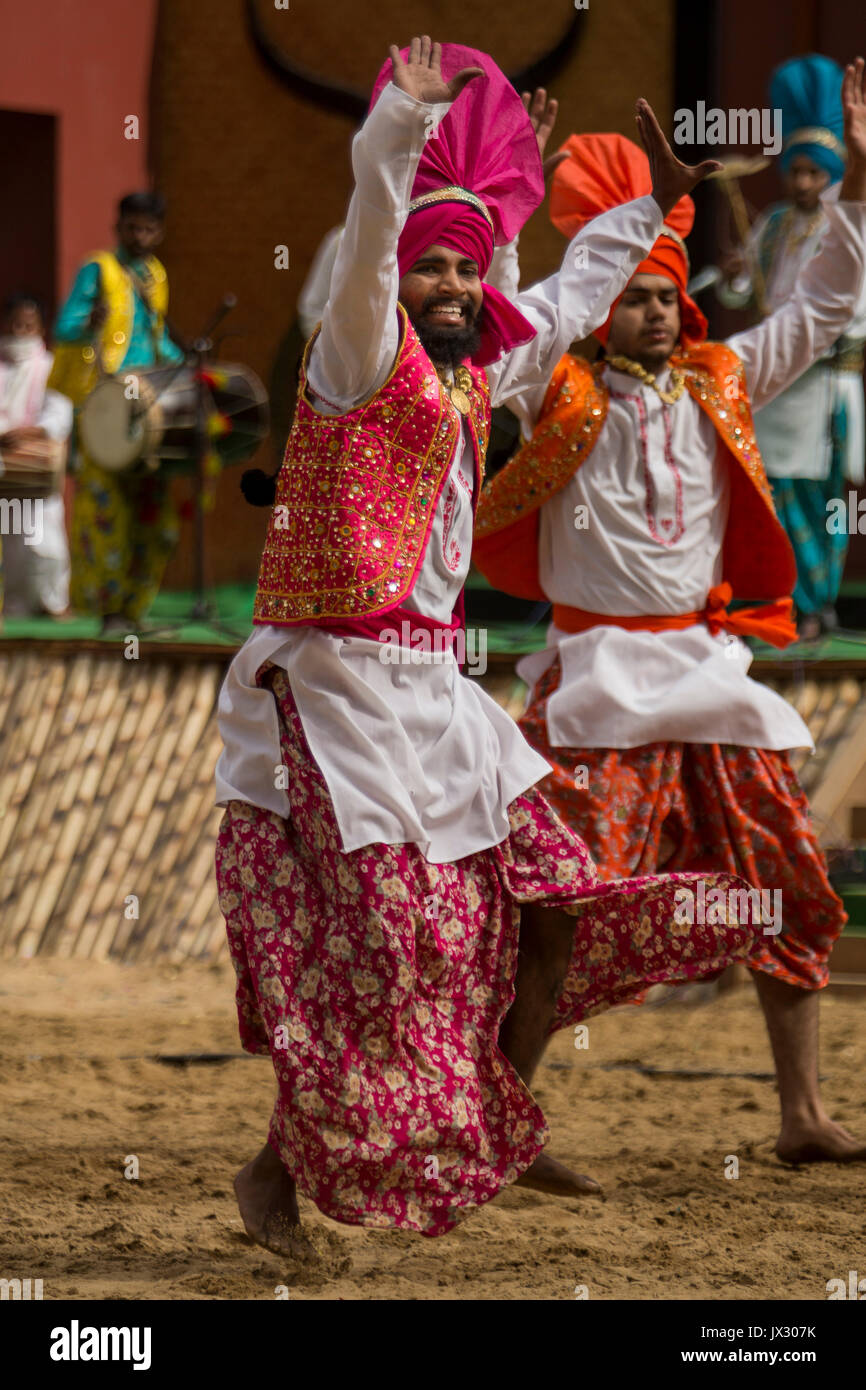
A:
[124,526]
[34,569]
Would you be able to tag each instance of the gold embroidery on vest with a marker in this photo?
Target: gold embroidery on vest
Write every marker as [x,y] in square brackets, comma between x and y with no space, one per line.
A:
[543,466]
[306,557]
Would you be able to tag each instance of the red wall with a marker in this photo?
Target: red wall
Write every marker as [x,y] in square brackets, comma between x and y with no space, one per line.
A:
[89,65]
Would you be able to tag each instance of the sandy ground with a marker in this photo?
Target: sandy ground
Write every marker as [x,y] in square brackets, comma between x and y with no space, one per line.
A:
[78,1095]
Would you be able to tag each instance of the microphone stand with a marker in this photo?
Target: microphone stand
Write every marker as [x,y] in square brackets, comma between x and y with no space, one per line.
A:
[202,610]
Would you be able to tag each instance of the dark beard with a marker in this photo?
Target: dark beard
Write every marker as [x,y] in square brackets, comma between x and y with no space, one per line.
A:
[448,347]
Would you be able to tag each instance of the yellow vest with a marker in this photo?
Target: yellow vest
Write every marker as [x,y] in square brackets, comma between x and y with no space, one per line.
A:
[75,372]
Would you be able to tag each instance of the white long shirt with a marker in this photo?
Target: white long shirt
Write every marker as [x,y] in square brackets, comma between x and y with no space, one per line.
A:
[410,753]
[656,490]
[25,364]
[35,571]
[794,430]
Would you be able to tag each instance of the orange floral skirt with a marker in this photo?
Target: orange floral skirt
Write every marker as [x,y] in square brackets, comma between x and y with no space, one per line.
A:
[700,807]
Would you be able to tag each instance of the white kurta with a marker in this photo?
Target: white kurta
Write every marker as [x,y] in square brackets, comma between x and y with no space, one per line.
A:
[410,753]
[794,430]
[656,491]
[35,574]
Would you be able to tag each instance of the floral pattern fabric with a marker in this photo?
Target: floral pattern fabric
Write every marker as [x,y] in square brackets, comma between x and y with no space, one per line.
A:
[700,808]
[378,983]
[124,529]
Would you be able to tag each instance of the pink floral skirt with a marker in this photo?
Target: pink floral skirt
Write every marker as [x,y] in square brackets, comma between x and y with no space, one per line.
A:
[378,983]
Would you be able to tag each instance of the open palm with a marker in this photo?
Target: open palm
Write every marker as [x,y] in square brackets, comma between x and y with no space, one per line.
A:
[854,109]
[542,115]
[671,178]
[421,75]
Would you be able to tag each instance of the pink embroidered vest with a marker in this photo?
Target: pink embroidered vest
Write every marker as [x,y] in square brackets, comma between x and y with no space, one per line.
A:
[357,493]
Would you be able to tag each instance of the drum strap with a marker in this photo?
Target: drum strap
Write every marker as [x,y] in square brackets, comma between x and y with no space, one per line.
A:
[143,289]
[97,339]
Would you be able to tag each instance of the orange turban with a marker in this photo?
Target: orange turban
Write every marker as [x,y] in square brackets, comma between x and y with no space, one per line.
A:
[603,171]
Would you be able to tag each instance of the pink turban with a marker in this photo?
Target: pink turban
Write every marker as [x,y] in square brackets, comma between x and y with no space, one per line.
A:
[463,229]
[485,152]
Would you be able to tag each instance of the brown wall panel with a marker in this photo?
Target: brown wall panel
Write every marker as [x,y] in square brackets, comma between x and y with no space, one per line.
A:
[247,165]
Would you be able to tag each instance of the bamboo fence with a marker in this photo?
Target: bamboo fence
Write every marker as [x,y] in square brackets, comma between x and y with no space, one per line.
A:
[107,822]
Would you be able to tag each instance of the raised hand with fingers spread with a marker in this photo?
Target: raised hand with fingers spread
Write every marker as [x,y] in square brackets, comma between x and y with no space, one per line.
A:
[671,178]
[854,115]
[421,75]
[542,112]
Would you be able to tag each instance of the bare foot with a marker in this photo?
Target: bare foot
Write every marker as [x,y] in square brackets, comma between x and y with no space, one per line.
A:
[115,622]
[547,1174]
[822,1141]
[809,628]
[268,1203]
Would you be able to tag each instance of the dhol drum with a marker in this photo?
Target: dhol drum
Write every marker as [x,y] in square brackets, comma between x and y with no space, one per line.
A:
[146,419]
[35,468]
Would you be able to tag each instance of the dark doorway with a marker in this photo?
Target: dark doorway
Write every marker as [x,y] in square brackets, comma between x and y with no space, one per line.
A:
[28,145]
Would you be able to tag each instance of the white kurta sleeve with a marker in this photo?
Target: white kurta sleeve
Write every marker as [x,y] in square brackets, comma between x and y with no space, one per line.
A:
[857,327]
[317,286]
[55,417]
[504,271]
[356,348]
[826,294]
[597,266]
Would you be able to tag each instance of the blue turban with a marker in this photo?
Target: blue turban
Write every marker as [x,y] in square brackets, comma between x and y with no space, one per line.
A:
[809,93]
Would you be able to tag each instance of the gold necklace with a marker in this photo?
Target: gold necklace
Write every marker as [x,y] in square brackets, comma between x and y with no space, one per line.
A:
[678,381]
[789,233]
[457,388]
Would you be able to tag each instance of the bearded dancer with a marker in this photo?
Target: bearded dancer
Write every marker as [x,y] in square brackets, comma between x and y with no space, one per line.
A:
[374,888]
[640,508]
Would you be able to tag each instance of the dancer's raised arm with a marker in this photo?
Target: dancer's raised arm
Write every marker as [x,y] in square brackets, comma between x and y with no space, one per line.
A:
[597,265]
[358,341]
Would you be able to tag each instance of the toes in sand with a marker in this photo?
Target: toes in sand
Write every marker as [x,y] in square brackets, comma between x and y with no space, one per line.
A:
[547,1174]
[820,1143]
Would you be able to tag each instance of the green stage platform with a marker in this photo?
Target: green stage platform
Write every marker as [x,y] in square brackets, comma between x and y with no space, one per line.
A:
[169,623]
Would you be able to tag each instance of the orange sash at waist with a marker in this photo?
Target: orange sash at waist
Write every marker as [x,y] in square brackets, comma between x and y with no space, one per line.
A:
[771,622]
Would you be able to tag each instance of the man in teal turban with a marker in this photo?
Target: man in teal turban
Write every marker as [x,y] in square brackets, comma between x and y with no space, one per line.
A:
[811,437]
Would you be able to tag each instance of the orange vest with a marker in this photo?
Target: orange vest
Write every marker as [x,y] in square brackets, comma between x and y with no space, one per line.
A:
[758,560]
[357,493]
